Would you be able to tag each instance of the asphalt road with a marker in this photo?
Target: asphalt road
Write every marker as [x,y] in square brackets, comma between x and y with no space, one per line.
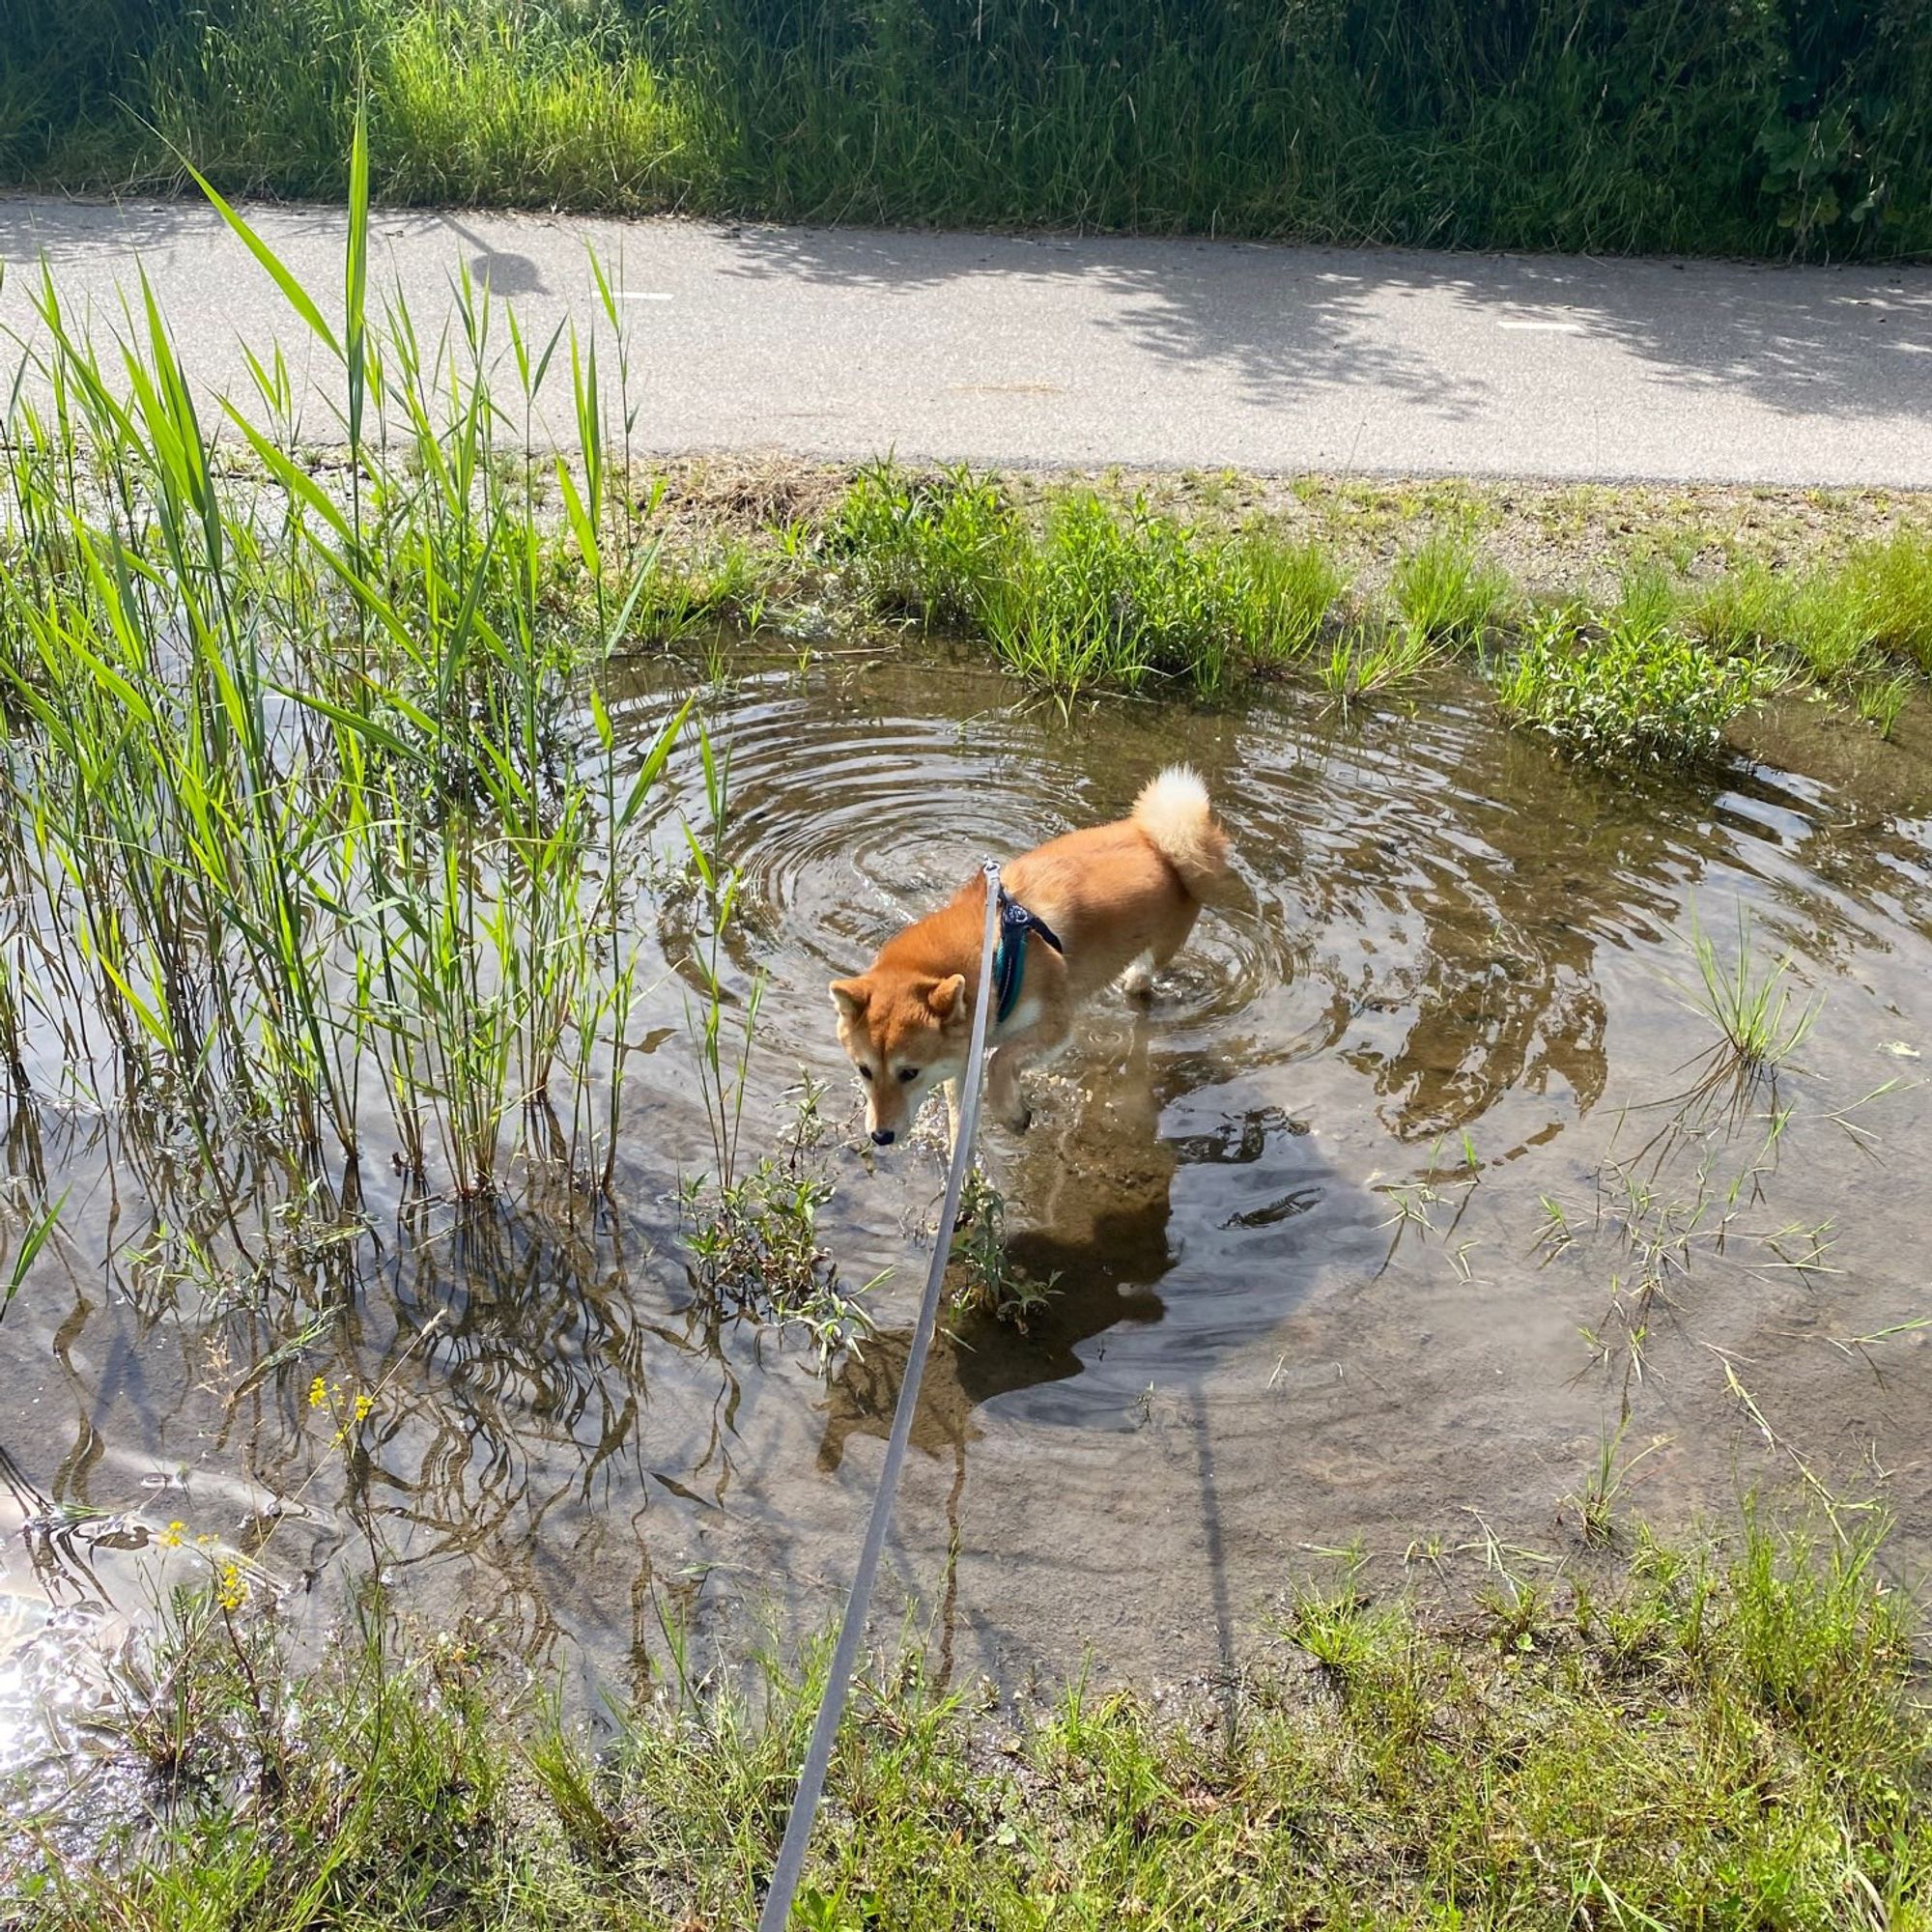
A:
[1062,352]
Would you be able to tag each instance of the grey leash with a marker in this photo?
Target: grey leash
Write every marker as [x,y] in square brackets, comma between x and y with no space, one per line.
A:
[777,1913]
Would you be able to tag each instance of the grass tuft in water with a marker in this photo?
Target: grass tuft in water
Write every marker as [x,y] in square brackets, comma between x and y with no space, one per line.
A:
[1753,1010]
[1880,698]
[1366,659]
[987,1281]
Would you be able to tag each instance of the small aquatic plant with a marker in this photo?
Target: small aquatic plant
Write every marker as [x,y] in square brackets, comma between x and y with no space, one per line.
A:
[988,1281]
[754,1251]
[1367,658]
[1880,698]
[1752,1009]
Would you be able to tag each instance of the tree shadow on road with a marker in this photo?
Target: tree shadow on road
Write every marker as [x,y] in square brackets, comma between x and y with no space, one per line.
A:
[1846,341]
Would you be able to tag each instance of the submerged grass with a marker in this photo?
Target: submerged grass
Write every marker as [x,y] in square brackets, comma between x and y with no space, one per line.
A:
[1694,1737]
[1762,128]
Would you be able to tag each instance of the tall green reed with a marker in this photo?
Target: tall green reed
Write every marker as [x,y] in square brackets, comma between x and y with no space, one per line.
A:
[300,809]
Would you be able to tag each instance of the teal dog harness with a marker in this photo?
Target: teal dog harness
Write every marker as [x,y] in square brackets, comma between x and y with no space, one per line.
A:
[1016,925]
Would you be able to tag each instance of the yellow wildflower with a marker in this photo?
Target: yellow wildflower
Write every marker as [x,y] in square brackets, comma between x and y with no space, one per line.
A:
[234,1590]
[318,1393]
[171,1537]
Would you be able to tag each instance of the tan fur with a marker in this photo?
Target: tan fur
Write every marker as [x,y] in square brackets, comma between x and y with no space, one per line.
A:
[1122,899]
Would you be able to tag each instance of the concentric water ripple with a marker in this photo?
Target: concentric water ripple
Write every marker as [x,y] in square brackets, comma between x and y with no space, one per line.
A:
[1394,887]
[1290,1217]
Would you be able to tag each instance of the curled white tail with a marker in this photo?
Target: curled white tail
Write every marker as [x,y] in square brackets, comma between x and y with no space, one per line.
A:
[1173,813]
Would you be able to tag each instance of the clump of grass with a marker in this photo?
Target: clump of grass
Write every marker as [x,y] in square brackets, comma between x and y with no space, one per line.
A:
[987,1280]
[1829,623]
[1447,593]
[1283,593]
[1130,595]
[1702,1737]
[1370,658]
[1892,583]
[754,1251]
[1753,1010]
[1635,695]
[1880,699]
[1740,611]
[1648,604]
[1598,1502]
[926,547]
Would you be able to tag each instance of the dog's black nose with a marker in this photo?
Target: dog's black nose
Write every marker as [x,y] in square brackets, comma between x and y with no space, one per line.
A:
[882,1137]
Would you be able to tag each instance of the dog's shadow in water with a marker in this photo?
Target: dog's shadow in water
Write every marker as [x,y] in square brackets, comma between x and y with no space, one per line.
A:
[1093,1204]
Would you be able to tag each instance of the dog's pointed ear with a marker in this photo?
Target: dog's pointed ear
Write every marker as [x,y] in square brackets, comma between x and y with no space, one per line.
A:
[947,1000]
[849,995]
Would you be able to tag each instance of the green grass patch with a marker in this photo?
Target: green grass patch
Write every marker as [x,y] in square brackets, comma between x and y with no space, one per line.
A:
[1695,1736]
[1892,583]
[1073,588]
[1447,593]
[1765,128]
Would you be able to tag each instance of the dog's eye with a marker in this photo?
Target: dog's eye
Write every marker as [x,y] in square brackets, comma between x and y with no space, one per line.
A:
[908,1072]
[865,1073]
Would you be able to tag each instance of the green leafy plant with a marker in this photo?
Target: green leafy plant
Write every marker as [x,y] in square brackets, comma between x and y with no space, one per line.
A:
[986,1280]
[1635,695]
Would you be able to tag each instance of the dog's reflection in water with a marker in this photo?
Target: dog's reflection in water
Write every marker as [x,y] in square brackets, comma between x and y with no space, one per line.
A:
[1090,1206]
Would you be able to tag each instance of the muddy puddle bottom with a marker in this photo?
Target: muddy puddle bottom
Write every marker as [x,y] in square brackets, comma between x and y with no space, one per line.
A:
[1417,1184]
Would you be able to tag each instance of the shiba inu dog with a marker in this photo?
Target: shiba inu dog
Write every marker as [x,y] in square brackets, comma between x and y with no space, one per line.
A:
[1114,902]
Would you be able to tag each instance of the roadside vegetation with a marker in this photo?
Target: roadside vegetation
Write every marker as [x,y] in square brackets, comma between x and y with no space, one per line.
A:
[1765,128]
[1681,1735]
[1080,588]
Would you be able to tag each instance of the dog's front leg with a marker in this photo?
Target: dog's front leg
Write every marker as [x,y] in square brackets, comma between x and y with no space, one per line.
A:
[1041,1039]
[952,1089]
